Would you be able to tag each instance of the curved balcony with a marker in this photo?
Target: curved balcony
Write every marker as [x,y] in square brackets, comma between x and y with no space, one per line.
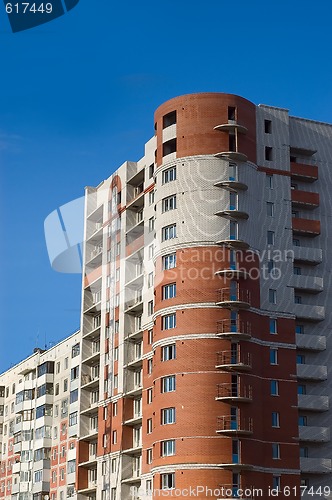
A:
[233,243]
[231,185]
[229,329]
[233,274]
[230,392]
[234,361]
[238,299]
[233,213]
[231,126]
[231,155]
[238,426]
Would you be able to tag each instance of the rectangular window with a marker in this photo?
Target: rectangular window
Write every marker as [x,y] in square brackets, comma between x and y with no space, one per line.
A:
[168,448]
[169,321]
[169,119]
[268,126]
[268,153]
[273,356]
[302,420]
[297,270]
[75,350]
[269,209]
[169,291]
[301,389]
[168,232]
[149,425]
[299,329]
[275,419]
[297,299]
[151,197]
[300,359]
[167,481]
[276,483]
[73,396]
[150,279]
[168,416]
[269,181]
[270,266]
[149,396]
[151,170]
[150,337]
[150,308]
[169,175]
[169,261]
[168,352]
[272,296]
[274,388]
[275,450]
[169,203]
[73,419]
[151,224]
[168,384]
[273,326]
[270,237]
[296,242]
[151,251]
[149,456]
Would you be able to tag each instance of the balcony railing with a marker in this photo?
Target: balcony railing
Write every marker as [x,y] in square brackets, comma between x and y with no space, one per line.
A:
[310,342]
[311,402]
[305,199]
[304,173]
[234,392]
[233,329]
[306,227]
[229,360]
[314,434]
[316,465]
[311,372]
[233,298]
[228,425]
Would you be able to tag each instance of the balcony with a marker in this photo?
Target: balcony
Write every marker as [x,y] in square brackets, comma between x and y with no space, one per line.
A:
[134,421]
[306,227]
[232,273]
[89,383]
[311,402]
[308,255]
[311,372]
[233,242]
[93,256]
[231,126]
[233,213]
[230,392]
[234,361]
[232,155]
[238,427]
[315,465]
[237,299]
[304,199]
[311,284]
[230,329]
[310,342]
[303,173]
[231,185]
[314,434]
[135,306]
[231,491]
[308,312]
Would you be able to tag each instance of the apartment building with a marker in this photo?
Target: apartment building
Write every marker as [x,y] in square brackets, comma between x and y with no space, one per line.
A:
[39,424]
[205,308]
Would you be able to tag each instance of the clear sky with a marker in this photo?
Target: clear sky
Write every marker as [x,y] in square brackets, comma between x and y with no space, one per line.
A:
[77,99]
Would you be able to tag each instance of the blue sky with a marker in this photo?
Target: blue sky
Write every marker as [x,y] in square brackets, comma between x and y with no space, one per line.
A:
[77,99]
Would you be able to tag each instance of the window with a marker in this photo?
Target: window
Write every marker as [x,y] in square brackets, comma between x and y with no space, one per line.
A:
[295,214]
[168,352]
[168,384]
[169,119]
[114,437]
[276,483]
[149,456]
[296,242]
[303,420]
[151,197]
[75,350]
[275,450]
[65,385]
[149,425]
[169,203]
[114,464]
[167,481]
[151,251]
[151,170]
[116,381]
[269,181]
[272,296]
[73,396]
[149,396]
[47,367]
[71,466]
[150,279]
[169,175]
[169,291]
[297,299]
[169,321]
[304,452]
[169,147]
[275,419]
[301,389]
[273,356]
[168,416]
[274,387]
[73,419]
[115,409]
[299,329]
[74,373]
[300,359]
[150,337]
[44,411]
[273,326]
[268,153]
[269,209]
[66,363]
[150,308]
[168,448]
[270,266]
[151,224]
[169,261]
[297,270]
[149,366]
[268,126]
[270,237]
[168,232]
